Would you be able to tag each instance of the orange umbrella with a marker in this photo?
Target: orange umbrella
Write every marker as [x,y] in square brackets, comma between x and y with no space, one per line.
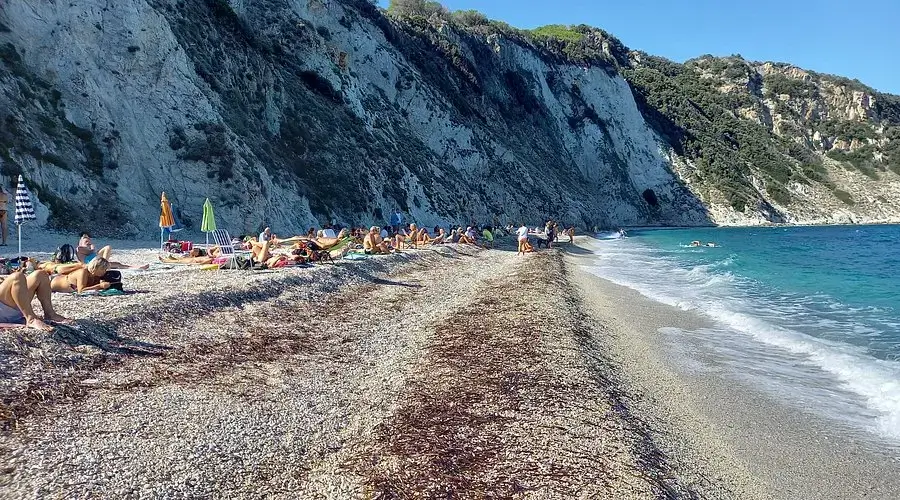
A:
[166,220]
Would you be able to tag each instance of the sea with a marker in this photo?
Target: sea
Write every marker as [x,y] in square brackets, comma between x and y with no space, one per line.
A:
[810,315]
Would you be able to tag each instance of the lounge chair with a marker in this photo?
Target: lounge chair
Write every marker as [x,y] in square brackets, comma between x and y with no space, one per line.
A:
[226,249]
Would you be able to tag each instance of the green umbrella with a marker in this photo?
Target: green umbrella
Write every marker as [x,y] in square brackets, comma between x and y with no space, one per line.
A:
[208,224]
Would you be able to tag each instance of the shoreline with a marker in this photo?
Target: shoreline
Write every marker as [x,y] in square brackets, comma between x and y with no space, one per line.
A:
[760,446]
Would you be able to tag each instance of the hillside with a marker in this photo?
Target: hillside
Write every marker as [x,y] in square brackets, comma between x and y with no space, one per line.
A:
[295,112]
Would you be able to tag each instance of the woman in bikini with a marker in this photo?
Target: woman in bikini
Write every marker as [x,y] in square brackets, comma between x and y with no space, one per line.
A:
[85,279]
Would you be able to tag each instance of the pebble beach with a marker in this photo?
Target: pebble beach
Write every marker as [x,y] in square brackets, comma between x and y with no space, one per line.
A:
[451,372]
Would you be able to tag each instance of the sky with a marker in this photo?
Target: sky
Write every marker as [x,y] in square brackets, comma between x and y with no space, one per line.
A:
[856,39]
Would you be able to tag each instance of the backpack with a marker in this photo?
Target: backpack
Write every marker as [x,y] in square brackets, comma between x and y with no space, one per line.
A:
[64,254]
[114,278]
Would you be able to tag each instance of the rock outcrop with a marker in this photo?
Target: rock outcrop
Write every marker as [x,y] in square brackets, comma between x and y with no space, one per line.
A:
[294,112]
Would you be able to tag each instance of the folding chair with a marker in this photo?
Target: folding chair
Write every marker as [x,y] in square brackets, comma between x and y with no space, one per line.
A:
[226,248]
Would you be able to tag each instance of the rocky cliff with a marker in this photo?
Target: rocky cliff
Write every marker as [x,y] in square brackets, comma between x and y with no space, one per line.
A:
[294,112]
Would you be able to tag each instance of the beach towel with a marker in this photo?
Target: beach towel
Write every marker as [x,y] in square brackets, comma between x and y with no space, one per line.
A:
[109,292]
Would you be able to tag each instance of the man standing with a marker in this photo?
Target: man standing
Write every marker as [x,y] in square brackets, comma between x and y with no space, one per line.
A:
[4,205]
[397,220]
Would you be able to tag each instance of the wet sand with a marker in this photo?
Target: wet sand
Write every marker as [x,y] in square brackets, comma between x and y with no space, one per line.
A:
[719,427]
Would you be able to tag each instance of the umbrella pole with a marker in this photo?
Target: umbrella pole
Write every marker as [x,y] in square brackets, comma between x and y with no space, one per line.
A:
[161,232]
[20,238]
[207,241]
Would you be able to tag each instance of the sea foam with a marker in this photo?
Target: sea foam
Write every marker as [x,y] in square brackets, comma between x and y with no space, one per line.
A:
[811,330]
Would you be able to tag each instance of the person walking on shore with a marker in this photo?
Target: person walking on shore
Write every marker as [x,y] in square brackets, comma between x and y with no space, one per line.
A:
[522,234]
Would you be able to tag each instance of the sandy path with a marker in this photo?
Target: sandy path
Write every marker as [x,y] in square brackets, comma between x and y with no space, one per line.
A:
[459,373]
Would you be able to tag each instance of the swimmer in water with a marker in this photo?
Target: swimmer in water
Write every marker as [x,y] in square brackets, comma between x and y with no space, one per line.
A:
[696,243]
[711,244]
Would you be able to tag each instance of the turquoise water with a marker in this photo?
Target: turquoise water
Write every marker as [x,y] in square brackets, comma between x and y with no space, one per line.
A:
[812,313]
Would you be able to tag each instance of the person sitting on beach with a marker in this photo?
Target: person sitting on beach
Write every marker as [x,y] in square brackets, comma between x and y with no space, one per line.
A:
[266,235]
[86,279]
[423,238]
[406,237]
[17,291]
[373,244]
[467,236]
[440,238]
[86,252]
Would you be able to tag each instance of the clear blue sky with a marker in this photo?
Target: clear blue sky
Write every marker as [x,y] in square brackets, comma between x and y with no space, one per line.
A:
[857,39]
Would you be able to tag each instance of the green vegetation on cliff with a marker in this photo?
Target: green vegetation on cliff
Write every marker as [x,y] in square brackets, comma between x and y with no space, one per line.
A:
[721,112]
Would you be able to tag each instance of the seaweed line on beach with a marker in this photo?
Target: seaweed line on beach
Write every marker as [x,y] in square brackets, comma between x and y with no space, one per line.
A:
[502,405]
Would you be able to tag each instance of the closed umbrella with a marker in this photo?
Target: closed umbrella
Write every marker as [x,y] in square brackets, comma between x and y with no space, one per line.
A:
[24,208]
[166,220]
[208,224]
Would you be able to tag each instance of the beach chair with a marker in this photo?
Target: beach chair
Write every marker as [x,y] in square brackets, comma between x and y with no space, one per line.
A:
[226,247]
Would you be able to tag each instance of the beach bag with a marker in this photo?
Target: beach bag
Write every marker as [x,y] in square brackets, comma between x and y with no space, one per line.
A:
[64,254]
[172,247]
[114,278]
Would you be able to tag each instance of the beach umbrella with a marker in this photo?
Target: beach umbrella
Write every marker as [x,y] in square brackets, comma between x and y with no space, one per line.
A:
[166,221]
[24,208]
[208,224]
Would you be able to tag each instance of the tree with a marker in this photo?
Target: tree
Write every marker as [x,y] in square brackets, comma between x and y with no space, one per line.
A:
[417,8]
[469,18]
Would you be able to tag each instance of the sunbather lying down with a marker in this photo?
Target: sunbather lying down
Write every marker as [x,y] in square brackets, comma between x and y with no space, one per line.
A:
[195,256]
[16,293]
[86,252]
[86,279]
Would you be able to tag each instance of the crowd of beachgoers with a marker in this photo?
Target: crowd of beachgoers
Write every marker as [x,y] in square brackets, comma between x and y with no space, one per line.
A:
[86,268]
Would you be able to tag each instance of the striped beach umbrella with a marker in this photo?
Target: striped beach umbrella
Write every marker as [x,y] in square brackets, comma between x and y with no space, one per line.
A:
[24,208]
[208,224]
[166,220]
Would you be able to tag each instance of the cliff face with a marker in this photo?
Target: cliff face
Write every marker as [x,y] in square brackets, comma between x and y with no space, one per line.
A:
[810,148]
[293,112]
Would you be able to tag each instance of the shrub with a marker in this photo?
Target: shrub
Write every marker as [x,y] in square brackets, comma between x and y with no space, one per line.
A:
[469,18]
[844,196]
[417,8]
[558,31]
[778,84]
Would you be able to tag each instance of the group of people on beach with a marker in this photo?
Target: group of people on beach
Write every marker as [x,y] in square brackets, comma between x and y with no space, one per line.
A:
[73,269]
[547,238]
[86,268]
